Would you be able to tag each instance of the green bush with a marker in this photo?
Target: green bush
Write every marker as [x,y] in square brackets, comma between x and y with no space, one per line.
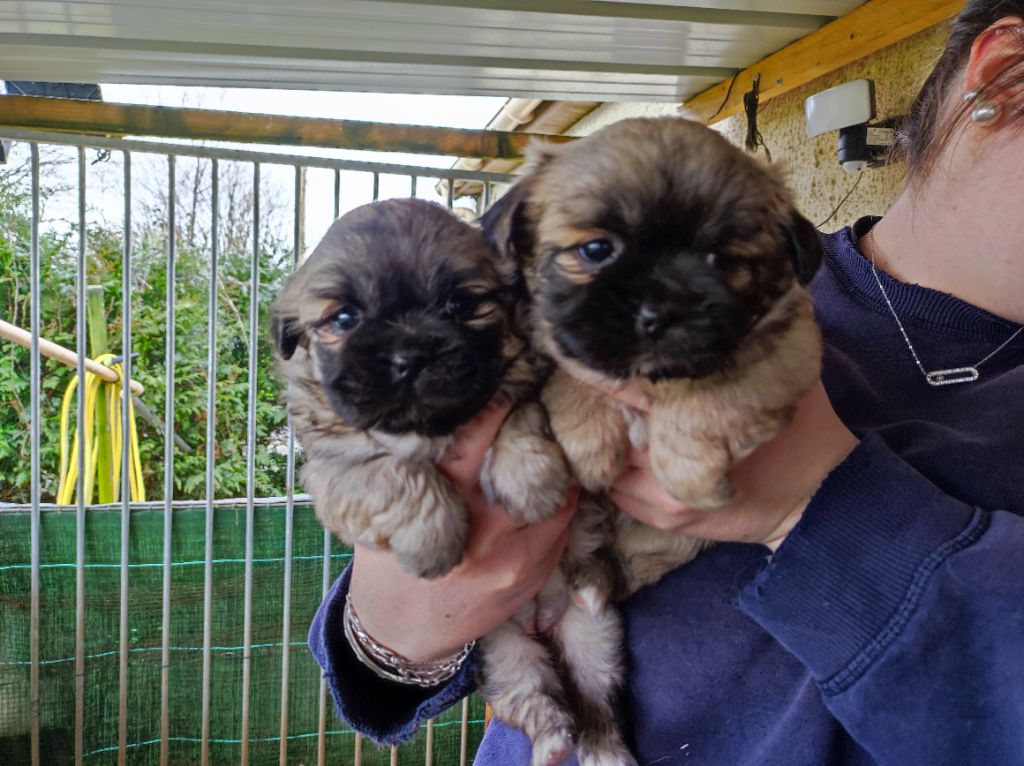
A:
[58,268]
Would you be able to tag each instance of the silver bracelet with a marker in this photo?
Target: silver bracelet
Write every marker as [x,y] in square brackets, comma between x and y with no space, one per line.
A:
[389,664]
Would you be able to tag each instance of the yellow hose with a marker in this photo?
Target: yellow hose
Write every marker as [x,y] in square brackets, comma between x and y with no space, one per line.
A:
[69,462]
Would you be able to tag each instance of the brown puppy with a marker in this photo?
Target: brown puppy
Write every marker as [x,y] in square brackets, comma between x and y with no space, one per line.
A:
[655,252]
[396,330]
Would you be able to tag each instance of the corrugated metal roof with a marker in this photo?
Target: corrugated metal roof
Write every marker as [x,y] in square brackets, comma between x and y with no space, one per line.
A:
[596,50]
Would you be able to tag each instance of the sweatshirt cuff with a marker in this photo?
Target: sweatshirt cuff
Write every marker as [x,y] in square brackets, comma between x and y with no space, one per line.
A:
[844,583]
[385,711]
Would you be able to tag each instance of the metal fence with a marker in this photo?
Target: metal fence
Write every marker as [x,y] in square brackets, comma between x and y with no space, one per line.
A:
[127,748]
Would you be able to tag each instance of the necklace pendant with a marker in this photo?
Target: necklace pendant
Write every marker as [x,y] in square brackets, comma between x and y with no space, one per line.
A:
[952,376]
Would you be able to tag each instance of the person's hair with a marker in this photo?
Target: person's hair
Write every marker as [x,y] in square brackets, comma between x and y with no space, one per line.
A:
[930,124]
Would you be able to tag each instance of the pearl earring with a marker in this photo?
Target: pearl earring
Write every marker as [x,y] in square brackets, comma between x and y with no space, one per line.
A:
[986,113]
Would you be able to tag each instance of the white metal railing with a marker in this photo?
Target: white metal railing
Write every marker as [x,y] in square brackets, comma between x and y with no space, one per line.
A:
[172,152]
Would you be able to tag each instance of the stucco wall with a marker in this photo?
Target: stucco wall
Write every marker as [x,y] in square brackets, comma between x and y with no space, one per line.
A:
[813,169]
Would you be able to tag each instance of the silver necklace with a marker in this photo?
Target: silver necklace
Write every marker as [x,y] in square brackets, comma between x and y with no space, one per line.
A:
[948,377]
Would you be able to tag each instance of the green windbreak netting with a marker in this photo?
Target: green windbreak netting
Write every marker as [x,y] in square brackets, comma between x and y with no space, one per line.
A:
[102,641]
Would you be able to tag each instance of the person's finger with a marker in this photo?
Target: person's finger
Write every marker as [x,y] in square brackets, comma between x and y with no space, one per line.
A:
[638,458]
[641,485]
[466,456]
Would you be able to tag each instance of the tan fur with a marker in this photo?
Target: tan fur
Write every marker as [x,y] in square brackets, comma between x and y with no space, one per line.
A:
[697,429]
[384,490]
[375,490]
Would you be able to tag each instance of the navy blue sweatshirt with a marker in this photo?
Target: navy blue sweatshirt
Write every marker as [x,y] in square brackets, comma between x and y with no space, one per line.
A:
[889,626]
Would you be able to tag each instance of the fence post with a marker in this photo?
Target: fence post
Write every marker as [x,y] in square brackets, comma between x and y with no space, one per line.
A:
[99,344]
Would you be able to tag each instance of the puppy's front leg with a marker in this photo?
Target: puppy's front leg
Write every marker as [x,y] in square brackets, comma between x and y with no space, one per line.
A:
[409,508]
[689,456]
[590,428]
[526,471]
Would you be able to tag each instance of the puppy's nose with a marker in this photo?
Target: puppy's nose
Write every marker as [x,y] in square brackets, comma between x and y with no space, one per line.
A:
[406,366]
[649,322]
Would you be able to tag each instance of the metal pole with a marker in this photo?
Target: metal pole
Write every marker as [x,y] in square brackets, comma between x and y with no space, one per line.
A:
[289,517]
[126,398]
[428,755]
[169,334]
[412,186]
[464,733]
[321,746]
[376,186]
[240,155]
[451,192]
[250,468]
[211,453]
[80,338]
[34,437]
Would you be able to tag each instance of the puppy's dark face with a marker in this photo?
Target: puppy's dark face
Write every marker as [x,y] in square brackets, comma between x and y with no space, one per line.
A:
[652,247]
[401,316]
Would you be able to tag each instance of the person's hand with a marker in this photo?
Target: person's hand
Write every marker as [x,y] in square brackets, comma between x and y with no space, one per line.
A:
[503,566]
[774,484]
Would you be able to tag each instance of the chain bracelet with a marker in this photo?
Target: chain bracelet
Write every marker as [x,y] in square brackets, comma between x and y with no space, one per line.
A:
[386,663]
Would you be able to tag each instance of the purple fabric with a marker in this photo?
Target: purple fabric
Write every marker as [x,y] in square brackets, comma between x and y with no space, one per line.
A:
[887,629]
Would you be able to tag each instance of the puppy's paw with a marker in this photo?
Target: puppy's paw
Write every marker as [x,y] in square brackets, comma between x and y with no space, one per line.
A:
[591,429]
[596,470]
[696,472]
[530,481]
[431,564]
[432,544]
[553,745]
[526,472]
[707,495]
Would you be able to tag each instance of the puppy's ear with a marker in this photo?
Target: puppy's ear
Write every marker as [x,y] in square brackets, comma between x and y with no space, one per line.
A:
[505,225]
[804,247]
[288,334]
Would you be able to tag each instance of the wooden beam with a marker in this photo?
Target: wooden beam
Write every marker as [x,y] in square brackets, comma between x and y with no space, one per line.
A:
[865,30]
[98,118]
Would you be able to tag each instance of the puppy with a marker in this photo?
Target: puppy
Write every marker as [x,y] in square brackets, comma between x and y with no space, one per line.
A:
[399,328]
[396,330]
[657,253]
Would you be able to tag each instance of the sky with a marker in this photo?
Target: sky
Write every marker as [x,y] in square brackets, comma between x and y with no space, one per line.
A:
[444,111]
[104,194]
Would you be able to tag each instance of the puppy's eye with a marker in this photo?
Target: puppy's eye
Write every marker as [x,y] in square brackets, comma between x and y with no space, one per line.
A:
[462,305]
[344,319]
[597,251]
[723,262]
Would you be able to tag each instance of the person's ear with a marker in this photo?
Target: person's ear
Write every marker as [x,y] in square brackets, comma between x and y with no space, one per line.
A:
[990,52]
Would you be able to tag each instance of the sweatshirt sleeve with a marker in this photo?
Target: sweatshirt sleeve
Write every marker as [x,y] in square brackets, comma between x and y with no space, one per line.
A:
[385,711]
[907,607]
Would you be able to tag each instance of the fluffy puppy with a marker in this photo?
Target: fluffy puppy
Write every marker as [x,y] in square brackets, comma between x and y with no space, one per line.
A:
[396,330]
[657,253]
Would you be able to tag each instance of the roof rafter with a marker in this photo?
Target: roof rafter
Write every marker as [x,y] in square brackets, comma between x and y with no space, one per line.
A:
[867,29]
